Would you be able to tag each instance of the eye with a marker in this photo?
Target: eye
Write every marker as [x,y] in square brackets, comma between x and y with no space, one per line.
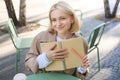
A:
[63,18]
[53,20]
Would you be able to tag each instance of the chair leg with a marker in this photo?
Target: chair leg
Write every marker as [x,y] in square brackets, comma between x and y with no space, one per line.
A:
[98,59]
[17,60]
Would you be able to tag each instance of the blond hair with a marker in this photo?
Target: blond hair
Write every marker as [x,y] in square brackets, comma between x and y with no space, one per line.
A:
[66,8]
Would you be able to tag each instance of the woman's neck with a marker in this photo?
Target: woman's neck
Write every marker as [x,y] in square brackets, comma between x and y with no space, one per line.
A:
[65,36]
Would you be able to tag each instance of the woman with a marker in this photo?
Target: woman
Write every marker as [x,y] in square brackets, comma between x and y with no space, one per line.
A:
[63,25]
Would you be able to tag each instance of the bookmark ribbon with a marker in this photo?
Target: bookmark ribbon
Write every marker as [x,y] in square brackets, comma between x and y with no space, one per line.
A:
[76,53]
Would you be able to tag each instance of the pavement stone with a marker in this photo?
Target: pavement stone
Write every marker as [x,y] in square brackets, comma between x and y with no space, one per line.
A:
[110,60]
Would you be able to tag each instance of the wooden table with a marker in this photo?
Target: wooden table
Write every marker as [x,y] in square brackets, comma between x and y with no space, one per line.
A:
[51,76]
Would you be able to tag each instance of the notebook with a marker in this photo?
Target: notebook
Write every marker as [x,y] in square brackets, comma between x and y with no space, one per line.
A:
[76,50]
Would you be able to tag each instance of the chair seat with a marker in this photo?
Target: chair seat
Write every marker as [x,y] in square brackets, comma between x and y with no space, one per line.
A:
[23,43]
[51,76]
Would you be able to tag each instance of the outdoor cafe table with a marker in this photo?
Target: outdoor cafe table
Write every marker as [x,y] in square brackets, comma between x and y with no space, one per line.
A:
[51,76]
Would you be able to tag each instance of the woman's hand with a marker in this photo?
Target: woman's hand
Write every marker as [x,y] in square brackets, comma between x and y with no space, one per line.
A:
[85,62]
[57,54]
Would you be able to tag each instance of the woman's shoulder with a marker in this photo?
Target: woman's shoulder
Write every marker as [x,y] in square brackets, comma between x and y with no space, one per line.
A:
[77,35]
[43,32]
[44,35]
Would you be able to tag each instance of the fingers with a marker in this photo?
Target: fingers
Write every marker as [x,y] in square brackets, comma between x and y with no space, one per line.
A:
[60,55]
[61,51]
[85,62]
[85,59]
[53,47]
[86,65]
[57,54]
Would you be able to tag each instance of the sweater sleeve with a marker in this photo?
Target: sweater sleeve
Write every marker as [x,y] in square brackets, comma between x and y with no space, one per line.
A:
[30,60]
[43,61]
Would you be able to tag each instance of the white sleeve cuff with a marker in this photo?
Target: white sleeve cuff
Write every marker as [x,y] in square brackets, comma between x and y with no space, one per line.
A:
[43,61]
[81,70]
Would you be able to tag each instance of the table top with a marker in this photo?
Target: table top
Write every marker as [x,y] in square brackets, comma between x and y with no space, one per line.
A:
[51,76]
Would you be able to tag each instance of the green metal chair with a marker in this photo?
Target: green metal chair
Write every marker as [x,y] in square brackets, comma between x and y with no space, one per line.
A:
[79,13]
[80,17]
[18,42]
[94,40]
[51,76]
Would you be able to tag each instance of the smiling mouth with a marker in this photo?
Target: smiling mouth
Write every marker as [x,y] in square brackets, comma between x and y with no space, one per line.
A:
[60,28]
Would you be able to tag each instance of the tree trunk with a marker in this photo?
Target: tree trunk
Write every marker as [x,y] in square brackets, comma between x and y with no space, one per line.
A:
[107,9]
[22,16]
[115,8]
[11,11]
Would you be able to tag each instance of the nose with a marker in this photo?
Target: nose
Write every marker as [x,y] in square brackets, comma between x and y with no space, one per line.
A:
[58,23]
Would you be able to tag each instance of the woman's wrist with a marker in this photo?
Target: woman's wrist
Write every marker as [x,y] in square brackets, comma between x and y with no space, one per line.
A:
[43,61]
[81,70]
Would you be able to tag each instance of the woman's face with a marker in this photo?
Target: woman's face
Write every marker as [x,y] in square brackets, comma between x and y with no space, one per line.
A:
[61,21]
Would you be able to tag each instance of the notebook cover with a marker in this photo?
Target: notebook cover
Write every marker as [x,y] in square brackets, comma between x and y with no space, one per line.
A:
[76,52]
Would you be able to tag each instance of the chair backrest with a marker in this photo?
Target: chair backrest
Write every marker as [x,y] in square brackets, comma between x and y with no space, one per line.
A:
[12,30]
[95,35]
[79,13]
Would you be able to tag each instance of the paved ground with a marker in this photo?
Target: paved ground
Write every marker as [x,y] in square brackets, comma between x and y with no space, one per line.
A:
[109,51]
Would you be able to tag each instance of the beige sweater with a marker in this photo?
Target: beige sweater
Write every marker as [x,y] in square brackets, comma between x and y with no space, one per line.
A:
[31,62]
